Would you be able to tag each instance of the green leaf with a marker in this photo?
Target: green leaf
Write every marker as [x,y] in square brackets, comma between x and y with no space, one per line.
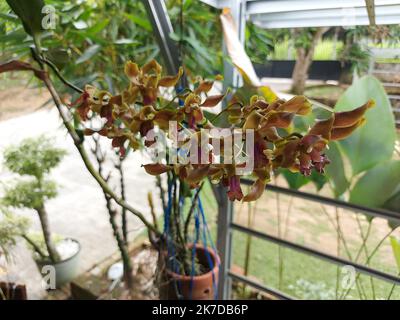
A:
[393,204]
[30,13]
[377,185]
[89,53]
[294,180]
[80,24]
[335,170]
[144,23]
[395,243]
[373,142]
[318,179]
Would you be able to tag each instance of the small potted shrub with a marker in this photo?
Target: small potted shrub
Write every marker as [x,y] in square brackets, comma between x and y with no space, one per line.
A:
[33,159]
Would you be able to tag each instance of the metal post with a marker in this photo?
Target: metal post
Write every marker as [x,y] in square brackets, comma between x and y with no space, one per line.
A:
[232,78]
[162,27]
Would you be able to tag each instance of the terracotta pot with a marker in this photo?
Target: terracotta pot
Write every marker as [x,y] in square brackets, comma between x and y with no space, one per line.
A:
[203,286]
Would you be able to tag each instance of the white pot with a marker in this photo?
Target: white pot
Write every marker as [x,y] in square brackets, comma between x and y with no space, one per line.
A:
[65,270]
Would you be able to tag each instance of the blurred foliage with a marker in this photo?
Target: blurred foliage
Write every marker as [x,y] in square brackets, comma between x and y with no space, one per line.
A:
[34,158]
[11,227]
[29,194]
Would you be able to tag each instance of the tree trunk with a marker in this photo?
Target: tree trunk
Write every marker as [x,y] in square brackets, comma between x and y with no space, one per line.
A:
[44,221]
[303,63]
[300,72]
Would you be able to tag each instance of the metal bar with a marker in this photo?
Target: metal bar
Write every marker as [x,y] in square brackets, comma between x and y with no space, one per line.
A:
[162,27]
[260,286]
[225,207]
[376,212]
[361,268]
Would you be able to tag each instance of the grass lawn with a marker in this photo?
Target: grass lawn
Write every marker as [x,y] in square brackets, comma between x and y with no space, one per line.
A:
[303,276]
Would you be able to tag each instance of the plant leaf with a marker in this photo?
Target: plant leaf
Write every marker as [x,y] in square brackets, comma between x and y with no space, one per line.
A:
[395,243]
[89,53]
[30,13]
[335,170]
[377,185]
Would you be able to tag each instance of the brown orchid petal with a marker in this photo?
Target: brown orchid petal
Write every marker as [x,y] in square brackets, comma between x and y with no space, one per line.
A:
[118,141]
[262,174]
[212,101]
[323,128]
[278,120]
[274,105]
[192,99]
[198,115]
[155,169]
[152,65]
[305,160]
[145,127]
[131,69]
[289,153]
[170,81]
[116,100]
[349,118]
[256,191]
[342,133]
[253,120]
[270,133]
[130,95]
[89,132]
[196,175]
[309,141]
[262,104]
[204,86]
[163,117]
[147,113]
[298,104]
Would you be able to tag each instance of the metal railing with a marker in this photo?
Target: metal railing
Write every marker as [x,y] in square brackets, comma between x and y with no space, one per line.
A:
[381,213]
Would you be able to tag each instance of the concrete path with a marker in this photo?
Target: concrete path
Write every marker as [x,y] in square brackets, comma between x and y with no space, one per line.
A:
[79,210]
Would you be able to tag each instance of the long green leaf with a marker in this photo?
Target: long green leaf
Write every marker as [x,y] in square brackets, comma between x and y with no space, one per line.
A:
[396,250]
[30,13]
[373,142]
[335,170]
[377,185]
[89,53]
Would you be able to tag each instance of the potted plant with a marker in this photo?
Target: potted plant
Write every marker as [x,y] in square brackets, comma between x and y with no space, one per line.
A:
[142,115]
[189,148]
[33,159]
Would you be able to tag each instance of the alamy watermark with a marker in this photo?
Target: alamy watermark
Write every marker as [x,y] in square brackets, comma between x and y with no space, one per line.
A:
[207,146]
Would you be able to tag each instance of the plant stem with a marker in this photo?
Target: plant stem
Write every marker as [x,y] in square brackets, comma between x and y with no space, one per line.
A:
[89,166]
[44,221]
[371,255]
[365,249]
[123,197]
[34,246]
[392,289]
[190,213]
[121,243]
